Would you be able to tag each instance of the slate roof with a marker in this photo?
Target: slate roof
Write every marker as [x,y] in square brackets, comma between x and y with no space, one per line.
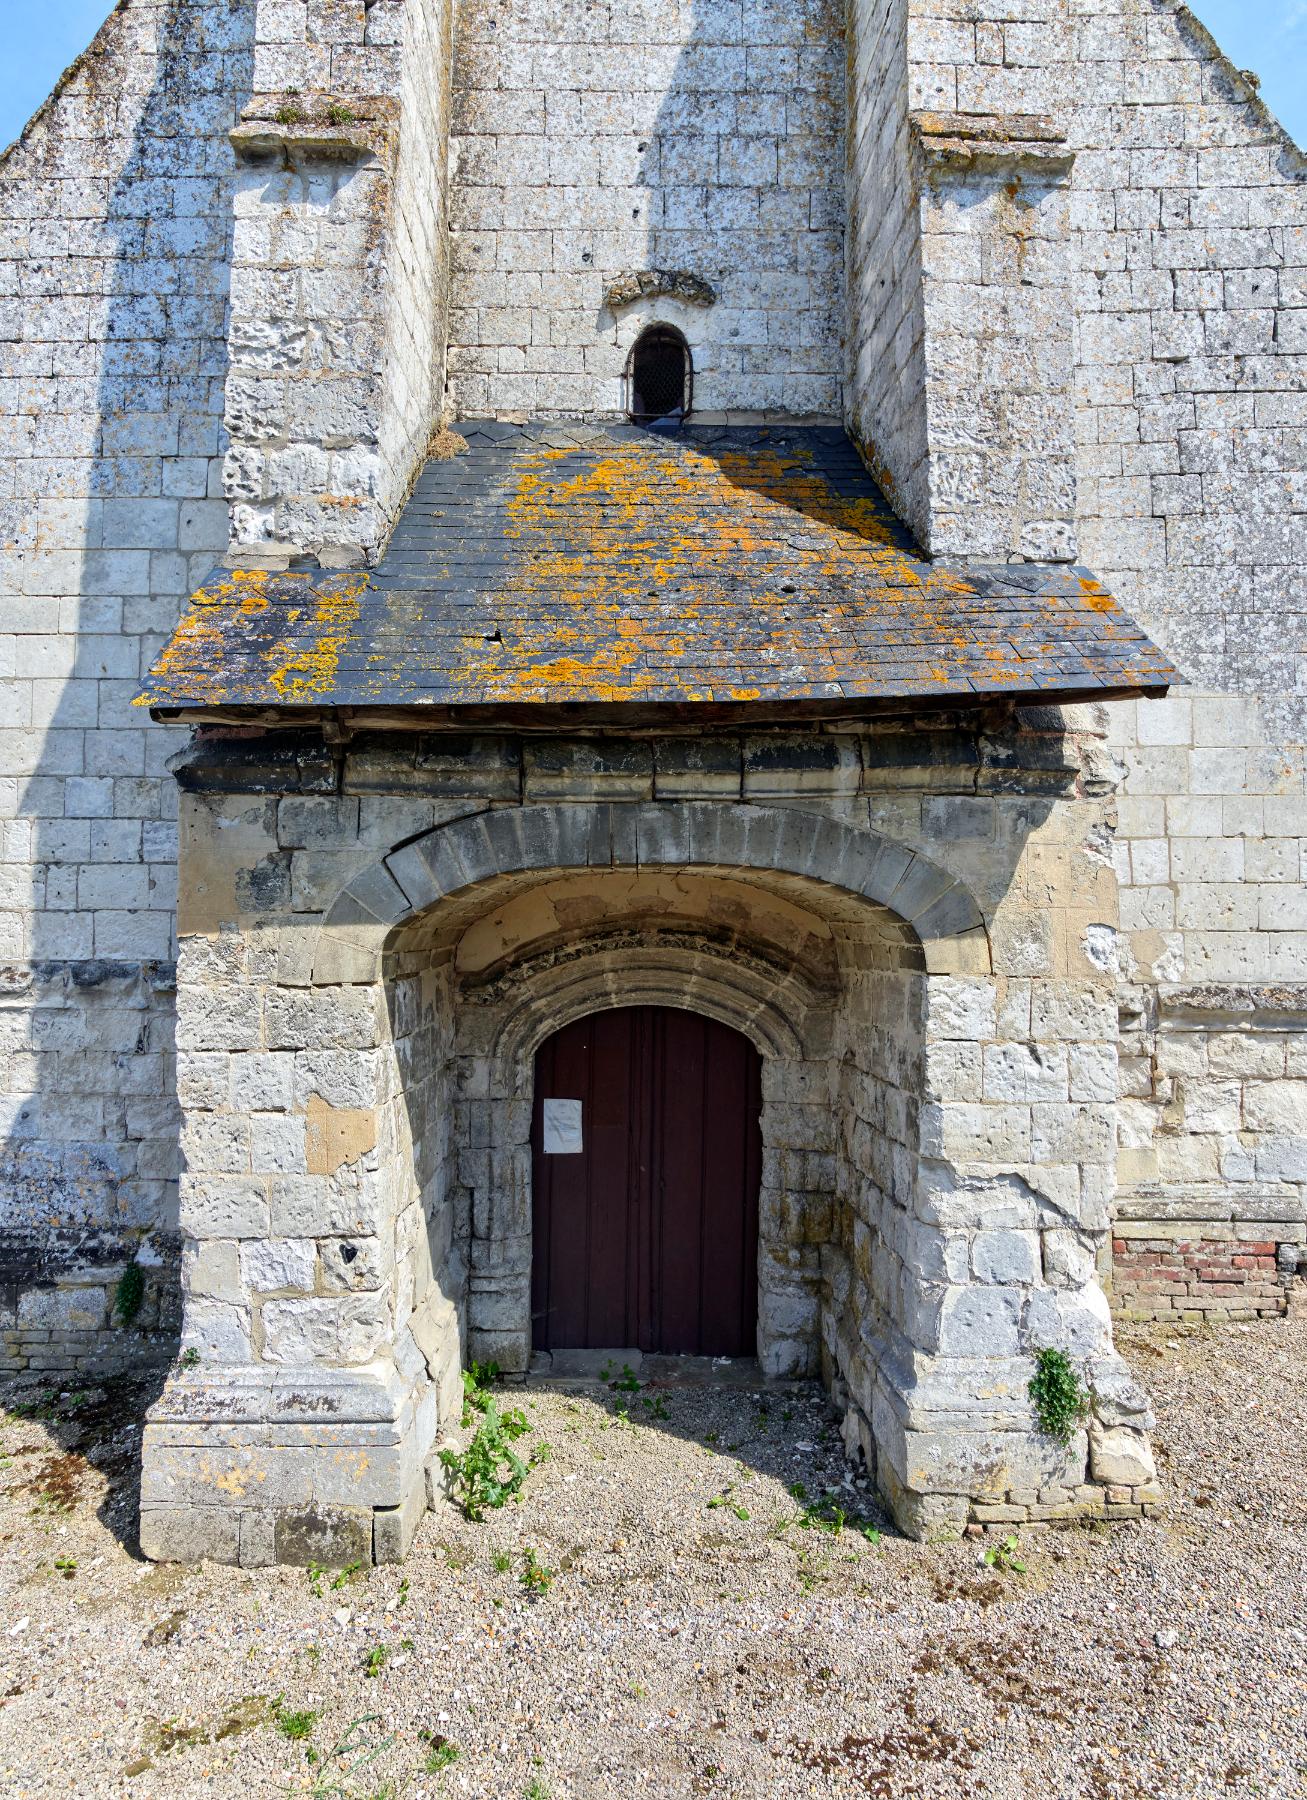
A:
[611,567]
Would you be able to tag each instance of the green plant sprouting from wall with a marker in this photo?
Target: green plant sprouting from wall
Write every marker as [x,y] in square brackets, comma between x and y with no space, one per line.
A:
[1061,1401]
[129,1295]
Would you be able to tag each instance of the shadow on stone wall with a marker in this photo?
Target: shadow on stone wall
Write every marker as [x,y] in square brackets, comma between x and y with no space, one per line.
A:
[123,518]
[79,1434]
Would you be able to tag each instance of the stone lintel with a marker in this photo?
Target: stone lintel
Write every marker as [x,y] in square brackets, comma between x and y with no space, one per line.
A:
[1234,1005]
[1207,1203]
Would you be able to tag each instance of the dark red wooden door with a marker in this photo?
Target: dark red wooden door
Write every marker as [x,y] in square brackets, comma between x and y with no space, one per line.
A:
[648,1238]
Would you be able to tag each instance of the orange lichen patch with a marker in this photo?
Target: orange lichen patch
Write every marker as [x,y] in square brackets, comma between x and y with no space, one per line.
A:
[312,671]
[200,637]
[292,630]
[648,522]
[1097,598]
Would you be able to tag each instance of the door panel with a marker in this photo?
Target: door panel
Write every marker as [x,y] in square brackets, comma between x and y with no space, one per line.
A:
[649,1237]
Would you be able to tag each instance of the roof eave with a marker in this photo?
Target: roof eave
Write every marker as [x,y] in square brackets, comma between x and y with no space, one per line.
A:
[595,714]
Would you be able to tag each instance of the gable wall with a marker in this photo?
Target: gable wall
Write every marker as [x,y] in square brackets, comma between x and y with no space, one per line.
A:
[593,139]
[1188,214]
[1192,425]
[114,210]
[1189,225]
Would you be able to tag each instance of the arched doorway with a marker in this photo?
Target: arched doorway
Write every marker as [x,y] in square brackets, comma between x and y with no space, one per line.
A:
[647,1161]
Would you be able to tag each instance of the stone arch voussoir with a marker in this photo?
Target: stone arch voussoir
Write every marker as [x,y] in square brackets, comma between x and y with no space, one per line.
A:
[416,877]
[768,1005]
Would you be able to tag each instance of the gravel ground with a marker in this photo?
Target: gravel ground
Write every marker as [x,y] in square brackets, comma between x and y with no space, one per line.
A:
[683,1648]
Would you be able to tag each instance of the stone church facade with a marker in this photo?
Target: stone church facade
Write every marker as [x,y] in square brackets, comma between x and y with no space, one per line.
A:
[512,513]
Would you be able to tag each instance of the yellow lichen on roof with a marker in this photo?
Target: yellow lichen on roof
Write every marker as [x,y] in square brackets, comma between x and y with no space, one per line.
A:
[297,646]
[649,521]
[199,641]
[311,672]
[557,566]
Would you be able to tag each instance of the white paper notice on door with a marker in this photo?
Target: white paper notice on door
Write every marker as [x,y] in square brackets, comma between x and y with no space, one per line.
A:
[562,1128]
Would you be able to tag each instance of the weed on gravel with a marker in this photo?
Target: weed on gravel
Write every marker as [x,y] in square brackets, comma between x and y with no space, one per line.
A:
[686,1650]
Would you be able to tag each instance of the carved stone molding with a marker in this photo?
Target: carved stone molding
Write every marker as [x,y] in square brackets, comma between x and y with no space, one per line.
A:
[659,284]
[316,126]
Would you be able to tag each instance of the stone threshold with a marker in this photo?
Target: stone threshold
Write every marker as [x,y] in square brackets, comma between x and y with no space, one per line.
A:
[556,1368]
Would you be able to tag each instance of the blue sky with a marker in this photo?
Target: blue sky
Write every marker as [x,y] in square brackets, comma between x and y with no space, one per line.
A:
[42,38]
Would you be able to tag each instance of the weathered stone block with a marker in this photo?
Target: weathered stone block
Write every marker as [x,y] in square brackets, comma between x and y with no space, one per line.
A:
[1120,1456]
[331,1535]
[191,1534]
[63,1309]
[279,1265]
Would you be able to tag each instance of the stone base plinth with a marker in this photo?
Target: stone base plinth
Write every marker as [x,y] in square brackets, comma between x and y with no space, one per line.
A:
[257,1465]
[953,1441]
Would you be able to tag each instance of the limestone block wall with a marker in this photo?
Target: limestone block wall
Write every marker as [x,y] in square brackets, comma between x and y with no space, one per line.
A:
[430,1248]
[885,374]
[1187,211]
[1211,1219]
[976,1179]
[596,140]
[115,204]
[879,1056]
[960,298]
[999,309]
[339,276]
[1193,239]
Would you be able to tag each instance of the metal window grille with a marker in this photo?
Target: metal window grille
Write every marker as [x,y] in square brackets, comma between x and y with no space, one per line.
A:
[660,375]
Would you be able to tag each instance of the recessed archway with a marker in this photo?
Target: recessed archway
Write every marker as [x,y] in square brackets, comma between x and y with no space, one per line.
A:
[779,958]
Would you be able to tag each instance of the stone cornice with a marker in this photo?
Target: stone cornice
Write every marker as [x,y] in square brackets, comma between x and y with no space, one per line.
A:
[973,143]
[317,126]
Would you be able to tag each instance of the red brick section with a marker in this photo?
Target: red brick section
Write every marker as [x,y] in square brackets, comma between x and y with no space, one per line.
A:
[1202,1276]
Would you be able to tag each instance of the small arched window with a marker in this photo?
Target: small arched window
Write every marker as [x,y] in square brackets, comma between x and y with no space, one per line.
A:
[661,375]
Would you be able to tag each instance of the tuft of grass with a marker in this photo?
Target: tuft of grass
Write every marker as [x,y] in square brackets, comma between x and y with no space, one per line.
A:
[318,1572]
[294,1725]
